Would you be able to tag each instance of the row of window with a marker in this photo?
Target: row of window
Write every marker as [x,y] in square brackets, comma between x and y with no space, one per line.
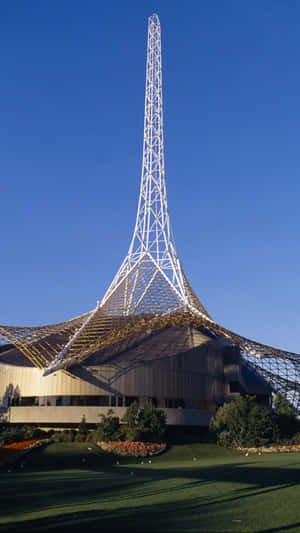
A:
[48,401]
[107,401]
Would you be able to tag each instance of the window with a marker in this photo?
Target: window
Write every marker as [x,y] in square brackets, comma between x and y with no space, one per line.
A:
[113,401]
[116,401]
[120,401]
[74,400]
[48,401]
[102,401]
[28,401]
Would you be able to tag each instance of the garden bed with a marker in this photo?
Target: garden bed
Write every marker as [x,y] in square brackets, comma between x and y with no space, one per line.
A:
[133,449]
[11,452]
[272,449]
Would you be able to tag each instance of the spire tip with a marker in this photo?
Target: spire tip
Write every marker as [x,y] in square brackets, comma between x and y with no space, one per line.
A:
[154,18]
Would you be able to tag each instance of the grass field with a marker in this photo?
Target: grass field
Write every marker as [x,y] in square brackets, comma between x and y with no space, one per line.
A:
[65,487]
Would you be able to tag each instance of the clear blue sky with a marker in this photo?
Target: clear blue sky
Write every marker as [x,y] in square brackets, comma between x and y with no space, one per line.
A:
[71,109]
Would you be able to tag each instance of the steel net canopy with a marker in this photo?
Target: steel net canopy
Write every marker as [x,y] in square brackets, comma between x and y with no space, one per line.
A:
[150,291]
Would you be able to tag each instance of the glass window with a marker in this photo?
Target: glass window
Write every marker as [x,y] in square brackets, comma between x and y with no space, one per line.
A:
[28,400]
[120,401]
[103,401]
[113,401]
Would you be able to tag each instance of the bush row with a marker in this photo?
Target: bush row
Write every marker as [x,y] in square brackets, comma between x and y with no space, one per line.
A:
[242,423]
[143,425]
[11,433]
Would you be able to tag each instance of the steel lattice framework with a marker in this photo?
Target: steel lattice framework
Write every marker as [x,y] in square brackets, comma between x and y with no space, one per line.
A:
[150,291]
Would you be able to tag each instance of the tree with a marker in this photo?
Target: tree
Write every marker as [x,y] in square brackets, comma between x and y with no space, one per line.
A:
[243,423]
[82,431]
[282,406]
[286,417]
[82,428]
[152,423]
[262,426]
[147,424]
[131,416]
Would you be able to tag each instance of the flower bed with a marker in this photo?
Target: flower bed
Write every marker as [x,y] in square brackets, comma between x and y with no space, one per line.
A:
[134,449]
[9,452]
[272,449]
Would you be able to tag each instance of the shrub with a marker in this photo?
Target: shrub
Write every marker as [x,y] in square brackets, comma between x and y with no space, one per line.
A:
[109,428]
[243,423]
[131,415]
[296,438]
[152,423]
[92,436]
[133,434]
[286,417]
[83,429]
[32,432]
[146,425]
[225,439]
[12,434]
[68,435]
[80,437]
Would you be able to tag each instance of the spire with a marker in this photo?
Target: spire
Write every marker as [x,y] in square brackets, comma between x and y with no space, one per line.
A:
[152,261]
[152,230]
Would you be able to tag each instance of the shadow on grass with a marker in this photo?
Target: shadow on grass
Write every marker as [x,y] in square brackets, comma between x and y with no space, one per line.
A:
[99,494]
[160,518]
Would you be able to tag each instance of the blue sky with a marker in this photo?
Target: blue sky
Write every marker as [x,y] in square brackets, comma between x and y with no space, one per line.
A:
[71,109]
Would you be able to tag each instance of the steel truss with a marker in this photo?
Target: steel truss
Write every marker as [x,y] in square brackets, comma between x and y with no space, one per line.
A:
[150,291]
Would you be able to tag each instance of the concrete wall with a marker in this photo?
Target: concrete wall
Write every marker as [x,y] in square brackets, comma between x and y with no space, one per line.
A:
[73,415]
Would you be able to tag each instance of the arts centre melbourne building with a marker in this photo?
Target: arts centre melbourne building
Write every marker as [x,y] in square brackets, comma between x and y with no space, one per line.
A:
[149,337]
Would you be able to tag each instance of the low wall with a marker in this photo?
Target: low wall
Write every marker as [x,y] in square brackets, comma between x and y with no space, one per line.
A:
[74,414]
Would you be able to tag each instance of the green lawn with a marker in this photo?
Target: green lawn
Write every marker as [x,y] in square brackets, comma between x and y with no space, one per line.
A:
[66,487]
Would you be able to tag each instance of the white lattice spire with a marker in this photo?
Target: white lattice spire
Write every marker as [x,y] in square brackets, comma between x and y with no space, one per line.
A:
[152,248]
[152,229]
